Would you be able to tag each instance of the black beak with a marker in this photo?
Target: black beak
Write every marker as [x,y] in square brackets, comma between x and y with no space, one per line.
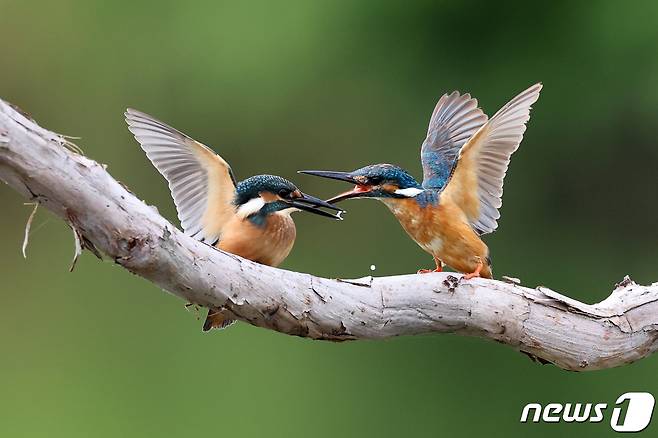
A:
[311,204]
[359,190]
[340,176]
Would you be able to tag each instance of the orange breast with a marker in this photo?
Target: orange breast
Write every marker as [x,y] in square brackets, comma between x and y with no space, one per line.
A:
[442,230]
[423,224]
[269,244]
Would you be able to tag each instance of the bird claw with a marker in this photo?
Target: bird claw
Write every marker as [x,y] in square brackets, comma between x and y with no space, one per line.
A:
[439,268]
[429,271]
[471,275]
[475,273]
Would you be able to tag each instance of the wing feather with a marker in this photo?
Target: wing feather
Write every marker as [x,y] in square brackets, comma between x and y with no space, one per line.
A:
[455,119]
[476,184]
[201,182]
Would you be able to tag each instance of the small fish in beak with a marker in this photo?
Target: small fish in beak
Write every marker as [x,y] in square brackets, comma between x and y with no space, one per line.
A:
[313,205]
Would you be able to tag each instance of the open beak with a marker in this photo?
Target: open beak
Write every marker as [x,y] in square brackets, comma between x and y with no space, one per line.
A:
[312,205]
[358,191]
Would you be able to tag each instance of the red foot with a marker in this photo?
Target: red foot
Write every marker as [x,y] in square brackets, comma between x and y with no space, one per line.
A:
[439,268]
[475,273]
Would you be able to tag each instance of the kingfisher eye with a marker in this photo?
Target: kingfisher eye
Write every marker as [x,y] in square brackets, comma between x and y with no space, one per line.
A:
[374,180]
[284,193]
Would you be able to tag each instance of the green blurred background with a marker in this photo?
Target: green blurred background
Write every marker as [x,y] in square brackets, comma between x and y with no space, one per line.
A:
[280,86]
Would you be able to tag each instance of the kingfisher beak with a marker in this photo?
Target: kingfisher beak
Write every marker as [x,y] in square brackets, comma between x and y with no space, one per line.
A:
[312,205]
[359,190]
[340,176]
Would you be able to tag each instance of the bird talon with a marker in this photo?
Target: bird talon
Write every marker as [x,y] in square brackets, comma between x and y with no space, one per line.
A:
[439,268]
[475,273]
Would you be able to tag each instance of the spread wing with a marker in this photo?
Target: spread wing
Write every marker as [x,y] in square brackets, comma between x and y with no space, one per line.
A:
[454,120]
[200,181]
[476,184]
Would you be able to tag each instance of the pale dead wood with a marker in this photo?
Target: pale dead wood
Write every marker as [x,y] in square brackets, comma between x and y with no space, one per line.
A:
[28,225]
[45,168]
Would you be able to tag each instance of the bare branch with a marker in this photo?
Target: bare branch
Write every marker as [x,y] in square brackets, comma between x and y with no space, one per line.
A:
[106,217]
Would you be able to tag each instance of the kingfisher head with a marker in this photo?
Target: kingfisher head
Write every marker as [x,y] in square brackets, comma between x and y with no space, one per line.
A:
[379,181]
[260,195]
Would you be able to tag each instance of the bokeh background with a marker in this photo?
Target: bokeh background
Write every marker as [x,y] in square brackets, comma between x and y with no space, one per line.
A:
[280,86]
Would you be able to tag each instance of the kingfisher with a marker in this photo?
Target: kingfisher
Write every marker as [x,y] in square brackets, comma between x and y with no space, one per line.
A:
[464,156]
[250,218]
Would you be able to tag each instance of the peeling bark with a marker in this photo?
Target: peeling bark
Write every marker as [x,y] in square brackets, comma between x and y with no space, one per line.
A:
[106,218]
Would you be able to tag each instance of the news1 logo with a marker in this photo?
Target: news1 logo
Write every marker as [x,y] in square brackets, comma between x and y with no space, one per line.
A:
[632,412]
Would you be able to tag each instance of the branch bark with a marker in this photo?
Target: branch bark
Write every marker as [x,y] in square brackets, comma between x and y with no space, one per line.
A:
[108,218]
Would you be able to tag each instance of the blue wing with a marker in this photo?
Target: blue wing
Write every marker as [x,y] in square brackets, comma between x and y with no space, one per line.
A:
[454,120]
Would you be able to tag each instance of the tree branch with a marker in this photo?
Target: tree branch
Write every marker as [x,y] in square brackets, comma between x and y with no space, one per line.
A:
[107,218]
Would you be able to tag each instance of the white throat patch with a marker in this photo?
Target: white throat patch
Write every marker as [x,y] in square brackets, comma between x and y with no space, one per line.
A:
[250,207]
[410,192]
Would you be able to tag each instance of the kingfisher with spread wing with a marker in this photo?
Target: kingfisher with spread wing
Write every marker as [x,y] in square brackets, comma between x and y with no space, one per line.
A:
[250,218]
[465,157]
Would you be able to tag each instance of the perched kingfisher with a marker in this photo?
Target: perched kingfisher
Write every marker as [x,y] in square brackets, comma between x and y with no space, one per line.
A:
[250,218]
[464,158]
